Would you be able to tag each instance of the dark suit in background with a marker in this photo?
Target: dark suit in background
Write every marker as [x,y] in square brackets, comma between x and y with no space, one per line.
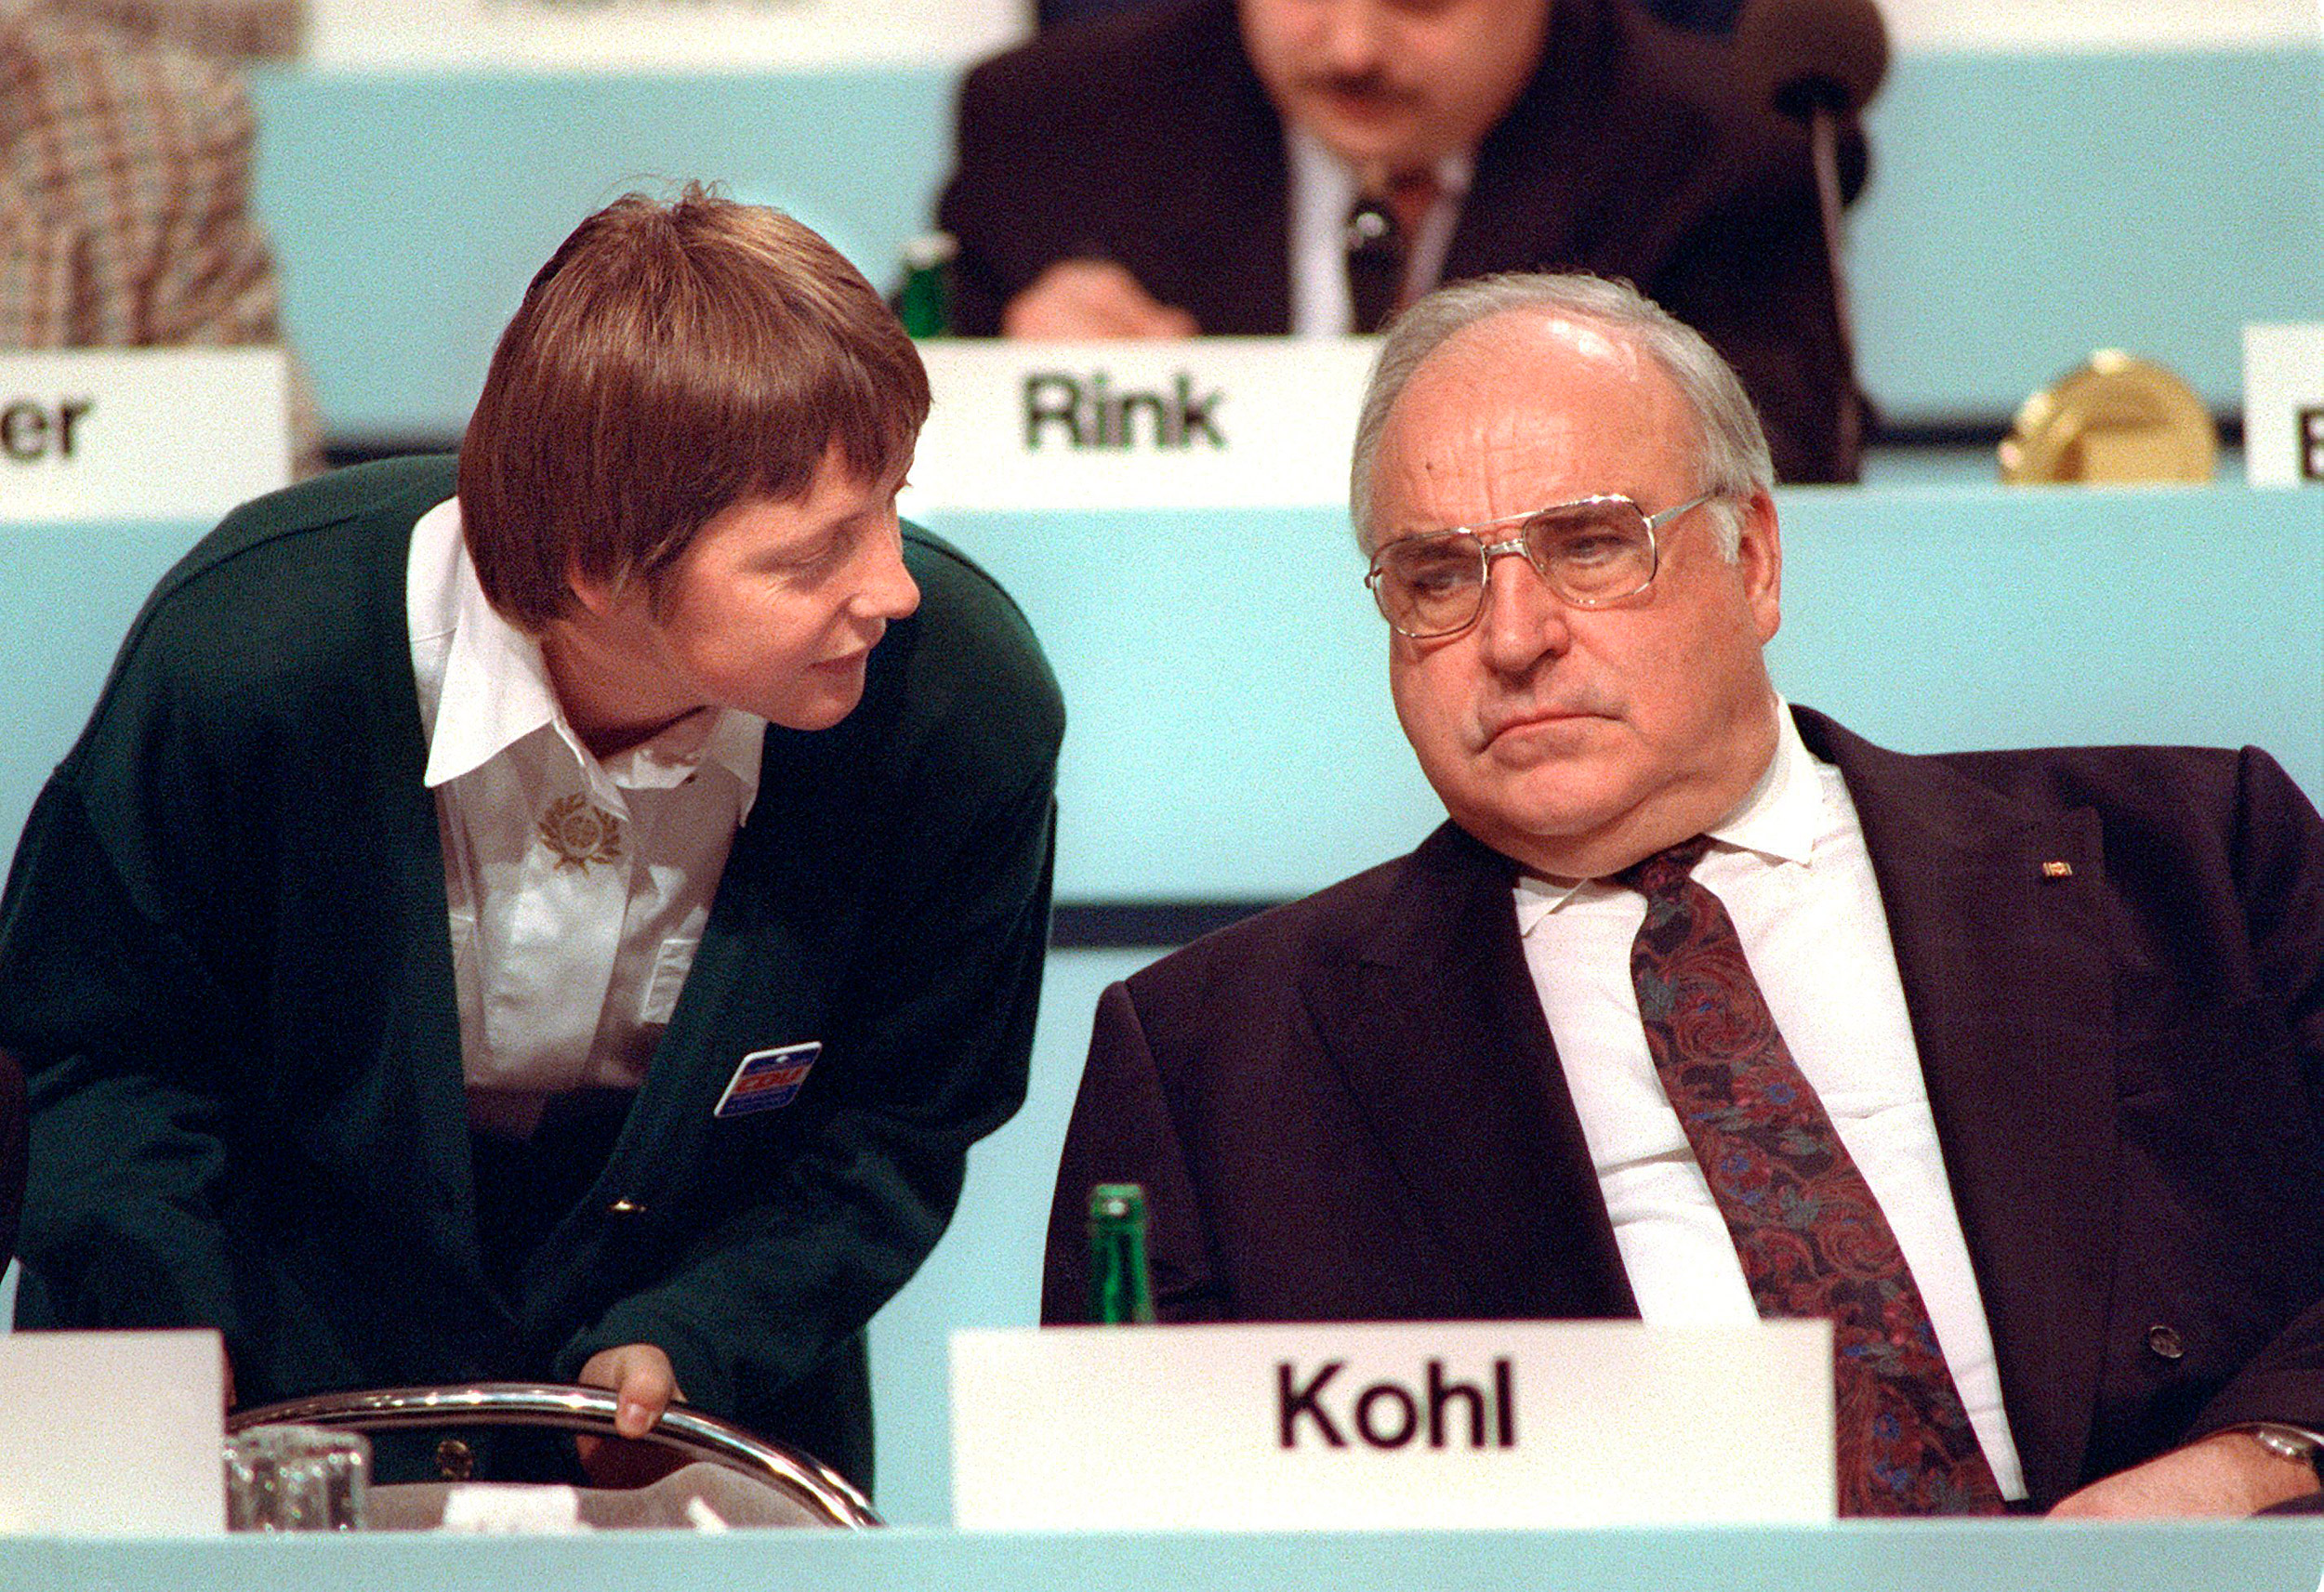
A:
[1147,139]
[11,1153]
[1351,1108]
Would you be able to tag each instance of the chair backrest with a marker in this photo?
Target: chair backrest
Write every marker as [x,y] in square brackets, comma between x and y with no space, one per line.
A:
[810,1492]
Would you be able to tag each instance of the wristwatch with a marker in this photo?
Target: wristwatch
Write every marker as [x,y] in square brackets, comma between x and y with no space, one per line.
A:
[2295,1443]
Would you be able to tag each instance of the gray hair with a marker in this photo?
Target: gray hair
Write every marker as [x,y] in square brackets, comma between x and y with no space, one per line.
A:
[1733,457]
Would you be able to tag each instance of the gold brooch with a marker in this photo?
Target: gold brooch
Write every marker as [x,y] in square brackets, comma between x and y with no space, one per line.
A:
[580,833]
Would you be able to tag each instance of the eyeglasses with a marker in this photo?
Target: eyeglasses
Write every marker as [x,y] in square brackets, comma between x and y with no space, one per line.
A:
[1591,552]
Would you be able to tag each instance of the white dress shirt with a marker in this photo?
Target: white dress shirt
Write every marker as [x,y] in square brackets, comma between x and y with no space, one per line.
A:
[579,888]
[1324,189]
[1789,865]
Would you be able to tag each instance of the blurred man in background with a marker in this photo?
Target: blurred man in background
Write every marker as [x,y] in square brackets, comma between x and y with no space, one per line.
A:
[1309,166]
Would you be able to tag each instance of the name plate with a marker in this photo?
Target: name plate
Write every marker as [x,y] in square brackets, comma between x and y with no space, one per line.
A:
[1360,1427]
[1207,423]
[643,35]
[141,433]
[112,1434]
[2284,405]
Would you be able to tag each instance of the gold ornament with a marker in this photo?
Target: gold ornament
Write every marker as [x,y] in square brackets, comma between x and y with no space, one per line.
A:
[2114,419]
[580,833]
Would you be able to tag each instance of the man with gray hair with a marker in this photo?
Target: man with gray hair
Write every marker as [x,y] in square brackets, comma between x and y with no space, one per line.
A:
[1703,1009]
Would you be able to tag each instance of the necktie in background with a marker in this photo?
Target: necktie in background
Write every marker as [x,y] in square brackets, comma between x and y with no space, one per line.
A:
[1379,234]
[1811,1237]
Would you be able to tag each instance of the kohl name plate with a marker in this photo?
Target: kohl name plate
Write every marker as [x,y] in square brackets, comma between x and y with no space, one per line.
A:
[1370,1427]
[151,434]
[2284,405]
[1202,423]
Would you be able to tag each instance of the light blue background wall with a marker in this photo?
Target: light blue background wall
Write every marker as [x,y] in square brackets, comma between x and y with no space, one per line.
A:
[1230,735]
[2026,209]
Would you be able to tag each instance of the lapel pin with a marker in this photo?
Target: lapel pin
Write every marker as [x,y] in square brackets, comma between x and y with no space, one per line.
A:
[2057,870]
[580,832]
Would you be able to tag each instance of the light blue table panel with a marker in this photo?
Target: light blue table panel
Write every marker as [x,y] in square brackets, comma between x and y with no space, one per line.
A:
[1242,746]
[986,1273]
[2025,209]
[2266,1555]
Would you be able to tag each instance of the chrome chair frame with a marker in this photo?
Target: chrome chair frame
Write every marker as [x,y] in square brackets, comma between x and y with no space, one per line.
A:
[813,1485]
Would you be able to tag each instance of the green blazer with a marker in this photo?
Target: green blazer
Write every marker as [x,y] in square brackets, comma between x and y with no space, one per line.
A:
[225,961]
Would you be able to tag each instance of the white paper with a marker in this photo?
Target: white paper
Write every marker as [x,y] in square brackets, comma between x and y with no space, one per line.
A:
[2284,405]
[112,1434]
[644,36]
[503,1508]
[1185,1427]
[2016,28]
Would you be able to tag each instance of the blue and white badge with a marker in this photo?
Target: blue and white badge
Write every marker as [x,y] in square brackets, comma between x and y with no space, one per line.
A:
[768,1079]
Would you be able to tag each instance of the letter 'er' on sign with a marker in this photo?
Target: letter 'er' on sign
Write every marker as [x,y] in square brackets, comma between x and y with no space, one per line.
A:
[33,429]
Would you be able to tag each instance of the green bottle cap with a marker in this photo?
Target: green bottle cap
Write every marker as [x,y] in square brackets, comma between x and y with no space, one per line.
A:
[1117,1203]
[1120,1291]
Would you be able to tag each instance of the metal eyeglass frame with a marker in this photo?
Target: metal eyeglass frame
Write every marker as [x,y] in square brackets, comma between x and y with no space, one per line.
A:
[1488,551]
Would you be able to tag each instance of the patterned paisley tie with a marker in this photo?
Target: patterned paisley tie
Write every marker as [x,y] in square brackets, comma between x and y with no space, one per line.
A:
[1811,1237]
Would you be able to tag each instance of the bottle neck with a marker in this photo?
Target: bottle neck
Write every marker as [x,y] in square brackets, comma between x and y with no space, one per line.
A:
[1120,1291]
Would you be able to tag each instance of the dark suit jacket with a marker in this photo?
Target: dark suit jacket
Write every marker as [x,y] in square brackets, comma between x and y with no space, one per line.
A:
[1350,1108]
[11,1153]
[1147,139]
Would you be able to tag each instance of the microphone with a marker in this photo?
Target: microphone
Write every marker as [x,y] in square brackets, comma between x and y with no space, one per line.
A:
[1800,55]
[1818,61]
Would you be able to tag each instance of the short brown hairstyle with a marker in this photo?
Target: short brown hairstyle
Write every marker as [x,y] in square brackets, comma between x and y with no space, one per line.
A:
[668,362]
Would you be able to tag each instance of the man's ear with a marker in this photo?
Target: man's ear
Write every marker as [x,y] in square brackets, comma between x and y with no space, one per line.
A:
[1758,556]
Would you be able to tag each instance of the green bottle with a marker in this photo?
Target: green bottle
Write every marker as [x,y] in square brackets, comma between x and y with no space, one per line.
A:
[924,302]
[1120,1291]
